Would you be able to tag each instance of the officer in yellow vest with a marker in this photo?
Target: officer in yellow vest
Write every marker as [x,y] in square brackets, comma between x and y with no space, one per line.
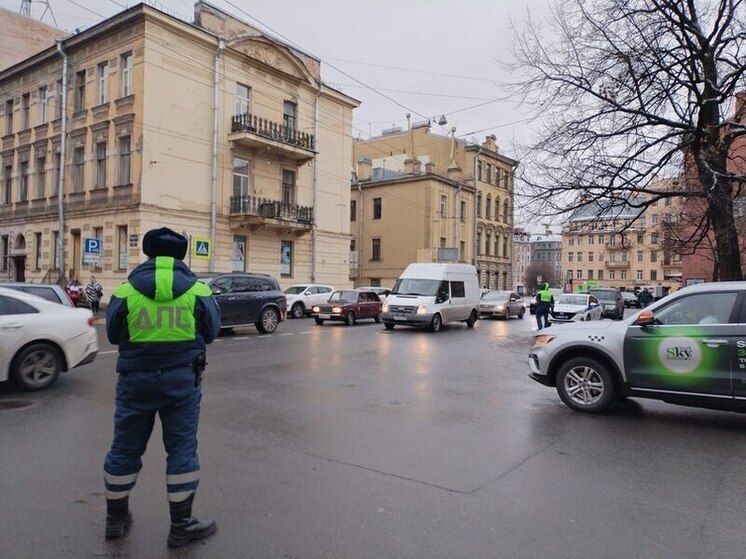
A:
[161,318]
[544,304]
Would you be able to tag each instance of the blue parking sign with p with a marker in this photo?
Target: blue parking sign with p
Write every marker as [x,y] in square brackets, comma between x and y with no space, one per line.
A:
[92,246]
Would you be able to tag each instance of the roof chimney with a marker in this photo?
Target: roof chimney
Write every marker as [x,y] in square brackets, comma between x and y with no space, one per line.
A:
[364,168]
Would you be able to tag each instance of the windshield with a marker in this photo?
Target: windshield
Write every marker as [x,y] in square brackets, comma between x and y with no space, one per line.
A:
[496,296]
[295,290]
[572,300]
[343,296]
[410,286]
[603,294]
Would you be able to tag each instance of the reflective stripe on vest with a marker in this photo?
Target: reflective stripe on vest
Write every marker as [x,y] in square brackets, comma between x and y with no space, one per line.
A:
[162,319]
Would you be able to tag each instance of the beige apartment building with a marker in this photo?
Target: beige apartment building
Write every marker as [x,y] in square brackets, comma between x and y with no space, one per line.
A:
[431,207]
[612,248]
[211,128]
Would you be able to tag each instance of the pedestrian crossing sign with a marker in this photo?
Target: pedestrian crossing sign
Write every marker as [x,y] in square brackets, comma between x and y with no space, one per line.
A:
[201,248]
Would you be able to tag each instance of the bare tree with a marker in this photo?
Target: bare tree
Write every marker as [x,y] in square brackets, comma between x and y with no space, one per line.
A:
[540,269]
[632,90]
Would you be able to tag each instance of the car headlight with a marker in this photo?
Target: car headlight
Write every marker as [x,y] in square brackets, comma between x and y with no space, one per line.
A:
[337,310]
[385,307]
[543,339]
[422,309]
[499,307]
[315,309]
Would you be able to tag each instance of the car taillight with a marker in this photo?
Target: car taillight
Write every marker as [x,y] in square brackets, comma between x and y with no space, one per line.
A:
[91,321]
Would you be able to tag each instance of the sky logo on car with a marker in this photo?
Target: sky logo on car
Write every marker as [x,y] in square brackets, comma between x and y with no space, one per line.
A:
[679,354]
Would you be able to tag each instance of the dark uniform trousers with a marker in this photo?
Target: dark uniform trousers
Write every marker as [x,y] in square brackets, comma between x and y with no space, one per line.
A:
[172,394]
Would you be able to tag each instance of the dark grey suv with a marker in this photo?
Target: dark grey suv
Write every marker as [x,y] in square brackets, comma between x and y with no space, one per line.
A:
[611,300]
[248,299]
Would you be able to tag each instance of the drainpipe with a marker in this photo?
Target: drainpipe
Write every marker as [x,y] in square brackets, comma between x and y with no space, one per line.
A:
[214,181]
[476,202]
[315,182]
[359,248]
[63,148]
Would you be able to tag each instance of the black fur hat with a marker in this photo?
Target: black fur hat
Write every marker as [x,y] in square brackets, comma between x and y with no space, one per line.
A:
[164,242]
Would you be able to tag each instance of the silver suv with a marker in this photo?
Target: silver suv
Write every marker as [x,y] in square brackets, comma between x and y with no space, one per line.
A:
[688,348]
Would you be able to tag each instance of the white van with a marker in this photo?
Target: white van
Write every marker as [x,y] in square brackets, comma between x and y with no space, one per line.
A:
[430,295]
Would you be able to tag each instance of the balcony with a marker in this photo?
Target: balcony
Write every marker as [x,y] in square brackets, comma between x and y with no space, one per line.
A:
[617,264]
[250,131]
[254,213]
[616,246]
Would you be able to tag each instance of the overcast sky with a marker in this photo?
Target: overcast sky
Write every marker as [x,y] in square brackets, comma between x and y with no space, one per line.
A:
[429,57]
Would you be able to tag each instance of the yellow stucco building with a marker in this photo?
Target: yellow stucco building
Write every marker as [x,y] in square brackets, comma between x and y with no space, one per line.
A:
[415,199]
[210,127]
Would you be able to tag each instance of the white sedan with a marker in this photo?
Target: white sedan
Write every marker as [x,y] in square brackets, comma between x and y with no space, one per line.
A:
[575,307]
[39,339]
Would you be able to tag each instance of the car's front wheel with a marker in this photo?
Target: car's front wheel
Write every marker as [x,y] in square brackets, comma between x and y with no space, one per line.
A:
[388,325]
[319,321]
[268,321]
[472,319]
[436,323]
[521,313]
[377,318]
[297,310]
[36,367]
[350,318]
[585,385]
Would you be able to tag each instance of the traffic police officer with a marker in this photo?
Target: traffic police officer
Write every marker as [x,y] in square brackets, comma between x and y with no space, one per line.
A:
[161,319]
[544,304]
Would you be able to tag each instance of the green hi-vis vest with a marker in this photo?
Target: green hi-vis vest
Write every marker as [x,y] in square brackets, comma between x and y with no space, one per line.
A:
[545,296]
[162,319]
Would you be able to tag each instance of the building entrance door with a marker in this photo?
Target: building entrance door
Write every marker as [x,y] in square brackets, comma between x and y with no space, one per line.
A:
[19,268]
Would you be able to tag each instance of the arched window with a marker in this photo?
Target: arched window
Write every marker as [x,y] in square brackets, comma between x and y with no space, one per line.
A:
[488,244]
[505,245]
[488,208]
[497,209]
[505,211]
[497,245]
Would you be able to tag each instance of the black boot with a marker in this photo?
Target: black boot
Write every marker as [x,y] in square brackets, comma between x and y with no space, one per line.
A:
[184,527]
[118,518]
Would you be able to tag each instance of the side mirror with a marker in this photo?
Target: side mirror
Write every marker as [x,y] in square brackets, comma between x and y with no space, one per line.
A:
[307,293]
[513,299]
[216,291]
[645,318]
[441,298]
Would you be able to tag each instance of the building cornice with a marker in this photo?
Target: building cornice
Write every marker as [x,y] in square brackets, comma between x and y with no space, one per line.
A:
[354,185]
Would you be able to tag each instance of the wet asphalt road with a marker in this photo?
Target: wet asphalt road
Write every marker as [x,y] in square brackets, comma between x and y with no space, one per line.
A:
[354,442]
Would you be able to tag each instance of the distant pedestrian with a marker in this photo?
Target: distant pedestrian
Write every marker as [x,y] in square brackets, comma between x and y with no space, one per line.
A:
[73,288]
[544,305]
[94,291]
[645,297]
[161,319]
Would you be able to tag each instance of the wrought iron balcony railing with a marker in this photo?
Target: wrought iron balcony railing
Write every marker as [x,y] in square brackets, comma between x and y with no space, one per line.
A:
[266,128]
[272,209]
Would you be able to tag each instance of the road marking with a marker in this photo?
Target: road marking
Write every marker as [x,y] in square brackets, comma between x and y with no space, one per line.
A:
[242,338]
[288,334]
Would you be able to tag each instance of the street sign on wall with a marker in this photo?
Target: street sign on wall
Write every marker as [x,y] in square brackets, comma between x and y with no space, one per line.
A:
[92,250]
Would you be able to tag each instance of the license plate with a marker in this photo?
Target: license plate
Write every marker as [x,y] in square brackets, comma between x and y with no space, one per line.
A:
[325,316]
[400,317]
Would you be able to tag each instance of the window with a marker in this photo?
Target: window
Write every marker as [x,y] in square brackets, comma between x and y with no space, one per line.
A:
[288,188]
[488,208]
[590,274]
[241,170]
[590,239]
[103,83]
[41,178]
[570,256]
[653,275]
[78,168]
[600,275]
[79,104]
[505,246]
[654,238]
[243,94]
[443,206]
[4,248]
[101,165]
[37,251]
[9,117]
[488,172]
[125,157]
[25,111]
[43,104]
[126,78]
[655,219]
[289,112]
[590,257]
[654,256]
[667,201]
[479,170]
[498,175]
[7,184]
[23,184]
[442,242]
[639,274]
[463,212]
[612,274]
[488,244]
[58,108]
[479,242]
[505,212]
[578,274]
[376,250]
[479,205]
[624,256]
[462,250]
[286,258]
[57,161]
[623,274]
[458,289]
[376,208]
[122,247]
[640,238]
[699,308]
[580,256]
[497,244]
[10,306]
[353,211]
